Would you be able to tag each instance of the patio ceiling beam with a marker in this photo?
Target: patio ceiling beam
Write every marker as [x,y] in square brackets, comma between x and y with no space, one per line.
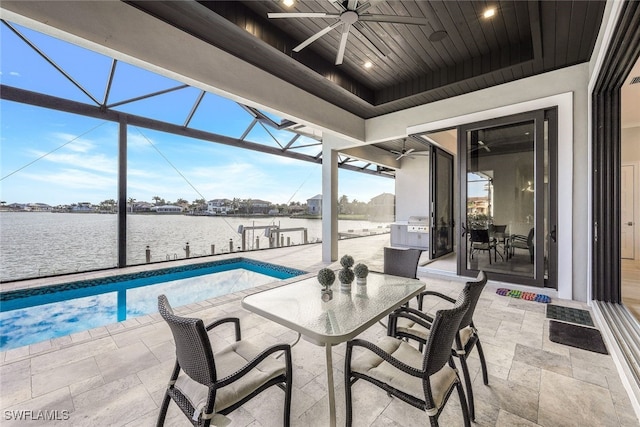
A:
[23,96]
[271,135]
[248,129]
[107,90]
[306,145]
[194,108]
[150,95]
[50,61]
[290,143]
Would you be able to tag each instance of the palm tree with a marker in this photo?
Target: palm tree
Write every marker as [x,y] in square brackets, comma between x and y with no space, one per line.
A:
[342,204]
[156,199]
[131,201]
[199,204]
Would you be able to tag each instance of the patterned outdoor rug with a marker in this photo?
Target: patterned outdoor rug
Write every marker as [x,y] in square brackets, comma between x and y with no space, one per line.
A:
[529,296]
[577,336]
[568,314]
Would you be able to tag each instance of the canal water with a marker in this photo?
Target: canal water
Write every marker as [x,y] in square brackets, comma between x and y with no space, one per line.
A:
[36,244]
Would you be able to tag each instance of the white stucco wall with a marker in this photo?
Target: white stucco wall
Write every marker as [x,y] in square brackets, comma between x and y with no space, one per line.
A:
[565,88]
[630,141]
[412,188]
[631,144]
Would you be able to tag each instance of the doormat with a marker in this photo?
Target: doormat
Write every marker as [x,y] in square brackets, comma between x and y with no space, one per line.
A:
[568,314]
[577,336]
[529,296]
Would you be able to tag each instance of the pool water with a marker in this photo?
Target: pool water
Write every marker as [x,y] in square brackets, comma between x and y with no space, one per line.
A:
[35,315]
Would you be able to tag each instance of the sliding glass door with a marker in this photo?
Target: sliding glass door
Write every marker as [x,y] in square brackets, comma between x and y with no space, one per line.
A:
[507,198]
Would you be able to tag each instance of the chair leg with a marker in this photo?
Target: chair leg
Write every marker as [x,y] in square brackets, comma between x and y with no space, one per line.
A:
[347,387]
[483,364]
[467,384]
[463,405]
[163,410]
[288,390]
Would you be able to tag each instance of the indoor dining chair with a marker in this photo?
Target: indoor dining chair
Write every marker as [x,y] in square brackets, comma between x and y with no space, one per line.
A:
[414,324]
[207,385]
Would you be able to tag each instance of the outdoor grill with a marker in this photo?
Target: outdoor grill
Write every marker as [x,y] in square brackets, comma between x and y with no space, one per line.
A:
[418,224]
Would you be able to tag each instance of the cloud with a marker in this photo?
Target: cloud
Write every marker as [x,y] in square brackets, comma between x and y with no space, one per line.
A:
[14,73]
[95,162]
[65,179]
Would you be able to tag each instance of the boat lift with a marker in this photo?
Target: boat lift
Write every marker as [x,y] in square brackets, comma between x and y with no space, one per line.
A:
[273,232]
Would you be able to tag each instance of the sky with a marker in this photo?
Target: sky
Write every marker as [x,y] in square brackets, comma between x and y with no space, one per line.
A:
[56,158]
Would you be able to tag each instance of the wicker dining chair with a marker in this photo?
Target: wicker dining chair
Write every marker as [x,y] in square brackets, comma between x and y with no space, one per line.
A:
[415,324]
[425,379]
[207,385]
[401,262]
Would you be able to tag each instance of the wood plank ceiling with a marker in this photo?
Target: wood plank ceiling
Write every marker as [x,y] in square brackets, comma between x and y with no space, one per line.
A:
[524,38]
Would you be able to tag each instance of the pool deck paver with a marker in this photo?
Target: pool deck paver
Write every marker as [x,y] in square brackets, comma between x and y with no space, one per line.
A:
[116,375]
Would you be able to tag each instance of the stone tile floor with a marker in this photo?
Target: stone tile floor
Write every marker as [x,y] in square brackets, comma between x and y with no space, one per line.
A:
[116,375]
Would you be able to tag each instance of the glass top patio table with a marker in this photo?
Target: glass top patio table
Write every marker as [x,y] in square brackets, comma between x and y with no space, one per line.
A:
[299,306]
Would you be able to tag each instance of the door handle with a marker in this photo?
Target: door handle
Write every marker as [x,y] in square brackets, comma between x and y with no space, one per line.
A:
[630,223]
[553,234]
[464,229]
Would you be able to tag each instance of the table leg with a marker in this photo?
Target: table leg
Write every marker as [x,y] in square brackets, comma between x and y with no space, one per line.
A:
[330,387]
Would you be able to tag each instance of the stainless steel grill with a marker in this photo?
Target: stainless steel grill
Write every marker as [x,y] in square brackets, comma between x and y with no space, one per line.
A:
[418,224]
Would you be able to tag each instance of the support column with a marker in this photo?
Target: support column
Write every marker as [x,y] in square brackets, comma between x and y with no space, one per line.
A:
[122,193]
[330,198]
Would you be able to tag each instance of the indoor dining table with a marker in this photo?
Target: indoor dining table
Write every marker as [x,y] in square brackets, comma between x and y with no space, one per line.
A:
[298,306]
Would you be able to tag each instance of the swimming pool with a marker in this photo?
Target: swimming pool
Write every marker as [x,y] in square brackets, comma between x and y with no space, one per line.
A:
[29,316]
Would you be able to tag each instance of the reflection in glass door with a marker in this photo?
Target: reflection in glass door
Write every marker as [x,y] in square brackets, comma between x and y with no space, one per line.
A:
[442,224]
[506,197]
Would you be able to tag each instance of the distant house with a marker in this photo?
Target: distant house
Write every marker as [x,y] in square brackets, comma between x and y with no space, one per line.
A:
[256,206]
[314,205]
[382,207]
[82,207]
[219,206]
[142,206]
[39,207]
[167,209]
[478,205]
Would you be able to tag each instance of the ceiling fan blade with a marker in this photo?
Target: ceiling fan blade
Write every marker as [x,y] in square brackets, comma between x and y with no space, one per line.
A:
[369,37]
[394,19]
[338,5]
[315,37]
[343,43]
[409,151]
[400,156]
[302,15]
[352,4]
[366,5]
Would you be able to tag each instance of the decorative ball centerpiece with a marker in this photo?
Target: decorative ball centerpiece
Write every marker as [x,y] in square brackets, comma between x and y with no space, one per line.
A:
[326,277]
[361,271]
[346,274]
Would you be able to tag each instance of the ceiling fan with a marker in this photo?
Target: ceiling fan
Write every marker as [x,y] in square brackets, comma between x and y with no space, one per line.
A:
[408,153]
[351,14]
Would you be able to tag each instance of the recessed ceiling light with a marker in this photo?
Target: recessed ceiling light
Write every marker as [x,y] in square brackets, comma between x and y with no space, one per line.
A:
[288,3]
[489,13]
[368,64]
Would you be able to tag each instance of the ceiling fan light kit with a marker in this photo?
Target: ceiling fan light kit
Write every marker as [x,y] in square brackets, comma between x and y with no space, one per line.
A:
[350,18]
